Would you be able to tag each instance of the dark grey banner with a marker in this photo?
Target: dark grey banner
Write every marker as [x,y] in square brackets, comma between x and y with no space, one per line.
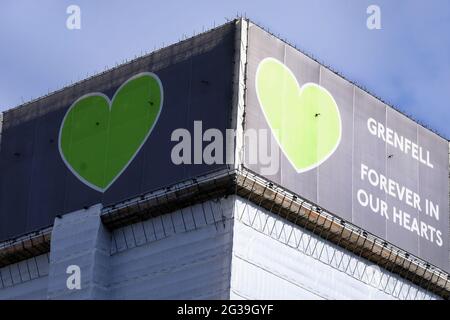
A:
[341,148]
[110,138]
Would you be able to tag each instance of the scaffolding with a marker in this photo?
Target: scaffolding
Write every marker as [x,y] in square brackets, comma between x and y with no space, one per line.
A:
[266,195]
[288,206]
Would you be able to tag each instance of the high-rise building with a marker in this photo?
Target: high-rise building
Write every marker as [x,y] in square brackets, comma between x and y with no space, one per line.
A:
[226,166]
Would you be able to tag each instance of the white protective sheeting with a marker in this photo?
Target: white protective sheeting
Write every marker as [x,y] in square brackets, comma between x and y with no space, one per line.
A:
[182,255]
[220,249]
[275,259]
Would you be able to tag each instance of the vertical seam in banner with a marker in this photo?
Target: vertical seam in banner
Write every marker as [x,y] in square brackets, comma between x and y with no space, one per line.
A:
[418,188]
[353,151]
[33,163]
[1,126]
[280,164]
[244,97]
[239,93]
[385,166]
[188,114]
[317,149]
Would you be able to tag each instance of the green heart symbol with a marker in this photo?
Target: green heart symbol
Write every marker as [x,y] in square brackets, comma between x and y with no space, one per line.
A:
[99,138]
[305,121]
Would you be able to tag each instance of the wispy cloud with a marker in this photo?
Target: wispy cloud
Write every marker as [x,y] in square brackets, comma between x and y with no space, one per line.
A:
[406,63]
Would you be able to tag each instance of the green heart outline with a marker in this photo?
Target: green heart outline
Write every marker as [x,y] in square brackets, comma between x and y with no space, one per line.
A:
[300,91]
[110,103]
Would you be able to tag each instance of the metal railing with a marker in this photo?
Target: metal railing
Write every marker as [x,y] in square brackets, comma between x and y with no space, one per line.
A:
[266,195]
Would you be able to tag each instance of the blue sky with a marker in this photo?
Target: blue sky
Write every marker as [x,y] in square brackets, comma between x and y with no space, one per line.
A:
[406,63]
